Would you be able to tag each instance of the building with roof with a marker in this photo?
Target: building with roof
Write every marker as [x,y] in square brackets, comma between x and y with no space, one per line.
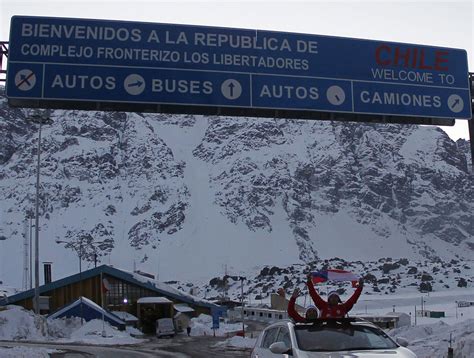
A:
[182,316]
[124,290]
[89,310]
[387,321]
[128,318]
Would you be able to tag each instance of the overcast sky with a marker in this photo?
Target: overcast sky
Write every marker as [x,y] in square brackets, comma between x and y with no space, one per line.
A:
[441,23]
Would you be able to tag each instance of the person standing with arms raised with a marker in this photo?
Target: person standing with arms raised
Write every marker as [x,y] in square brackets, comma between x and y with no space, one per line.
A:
[334,307]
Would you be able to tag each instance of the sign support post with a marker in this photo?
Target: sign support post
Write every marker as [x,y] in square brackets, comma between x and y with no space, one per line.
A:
[470,124]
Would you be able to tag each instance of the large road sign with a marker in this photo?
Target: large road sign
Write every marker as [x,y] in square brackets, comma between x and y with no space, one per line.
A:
[100,61]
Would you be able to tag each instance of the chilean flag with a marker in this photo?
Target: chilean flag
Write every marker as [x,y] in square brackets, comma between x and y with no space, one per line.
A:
[334,275]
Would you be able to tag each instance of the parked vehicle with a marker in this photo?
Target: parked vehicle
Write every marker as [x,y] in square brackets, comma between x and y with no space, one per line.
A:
[165,327]
[346,337]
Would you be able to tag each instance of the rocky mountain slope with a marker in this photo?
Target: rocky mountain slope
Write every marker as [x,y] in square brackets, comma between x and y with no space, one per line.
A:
[384,276]
[185,196]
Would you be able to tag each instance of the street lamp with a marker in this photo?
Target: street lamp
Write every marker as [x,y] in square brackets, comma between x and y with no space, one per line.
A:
[38,119]
[242,304]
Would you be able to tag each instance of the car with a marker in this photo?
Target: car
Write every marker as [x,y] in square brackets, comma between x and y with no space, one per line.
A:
[334,338]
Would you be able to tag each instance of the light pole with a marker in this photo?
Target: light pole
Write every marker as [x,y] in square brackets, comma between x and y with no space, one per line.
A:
[242,304]
[31,216]
[38,119]
[2,238]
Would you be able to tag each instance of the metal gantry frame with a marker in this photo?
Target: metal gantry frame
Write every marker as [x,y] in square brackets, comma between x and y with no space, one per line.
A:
[471,124]
[3,64]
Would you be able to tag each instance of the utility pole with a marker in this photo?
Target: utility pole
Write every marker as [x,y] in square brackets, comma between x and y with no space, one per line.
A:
[25,255]
[36,304]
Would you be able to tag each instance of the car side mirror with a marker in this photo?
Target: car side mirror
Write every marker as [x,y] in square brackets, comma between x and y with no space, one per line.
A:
[279,348]
[402,341]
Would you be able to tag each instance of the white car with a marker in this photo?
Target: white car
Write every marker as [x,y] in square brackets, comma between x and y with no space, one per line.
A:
[331,338]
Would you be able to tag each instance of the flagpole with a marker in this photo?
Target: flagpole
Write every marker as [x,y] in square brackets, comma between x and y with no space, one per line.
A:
[102,301]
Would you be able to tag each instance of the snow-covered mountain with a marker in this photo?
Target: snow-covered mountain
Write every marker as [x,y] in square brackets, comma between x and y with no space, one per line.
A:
[188,197]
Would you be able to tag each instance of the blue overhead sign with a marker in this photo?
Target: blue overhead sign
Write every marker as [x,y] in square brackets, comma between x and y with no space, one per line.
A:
[60,59]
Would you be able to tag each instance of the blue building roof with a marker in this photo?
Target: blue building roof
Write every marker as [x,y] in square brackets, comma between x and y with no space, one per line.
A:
[89,311]
[129,277]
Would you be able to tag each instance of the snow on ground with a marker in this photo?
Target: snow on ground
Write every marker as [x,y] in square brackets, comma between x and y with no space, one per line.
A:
[134,332]
[202,326]
[18,324]
[91,333]
[238,342]
[432,340]
[26,352]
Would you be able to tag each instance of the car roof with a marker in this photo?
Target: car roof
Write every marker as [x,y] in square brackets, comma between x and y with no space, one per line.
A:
[324,321]
[346,320]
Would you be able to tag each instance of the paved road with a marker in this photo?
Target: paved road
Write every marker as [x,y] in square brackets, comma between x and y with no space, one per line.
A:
[181,346]
[178,347]
[85,351]
[196,347]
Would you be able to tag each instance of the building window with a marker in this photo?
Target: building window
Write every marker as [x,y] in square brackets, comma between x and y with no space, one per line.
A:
[269,315]
[280,316]
[261,314]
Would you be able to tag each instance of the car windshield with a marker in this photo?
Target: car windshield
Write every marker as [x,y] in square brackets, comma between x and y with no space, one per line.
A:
[330,337]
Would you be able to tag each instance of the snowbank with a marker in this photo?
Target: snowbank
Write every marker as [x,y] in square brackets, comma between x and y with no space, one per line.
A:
[91,333]
[238,342]
[202,326]
[432,340]
[134,332]
[17,352]
[17,324]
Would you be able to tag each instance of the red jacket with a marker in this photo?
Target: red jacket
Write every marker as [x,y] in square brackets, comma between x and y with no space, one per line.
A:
[292,312]
[327,311]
